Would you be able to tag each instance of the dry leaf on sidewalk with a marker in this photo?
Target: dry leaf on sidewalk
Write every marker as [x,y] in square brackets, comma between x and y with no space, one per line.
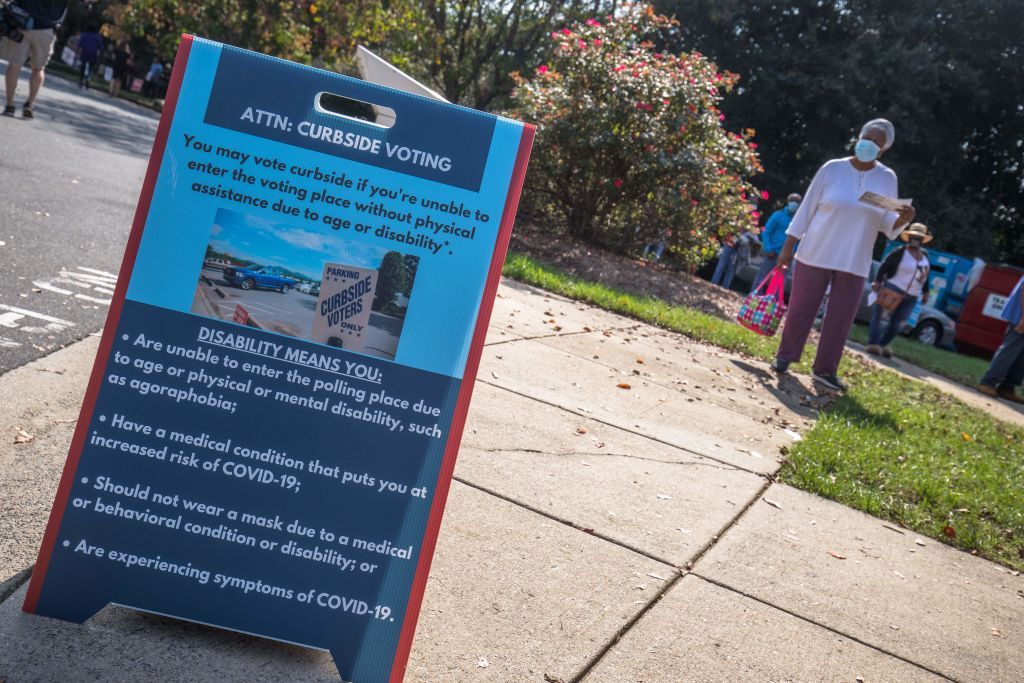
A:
[21,436]
[623,385]
[772,503]
[836,555]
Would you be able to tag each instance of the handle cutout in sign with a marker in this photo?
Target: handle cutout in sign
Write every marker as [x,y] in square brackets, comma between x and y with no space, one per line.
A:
[355,110]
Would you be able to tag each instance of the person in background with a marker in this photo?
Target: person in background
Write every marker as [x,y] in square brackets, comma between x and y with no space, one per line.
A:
[1006,372]
[726,267]
[90,46]
[156,70]
[774,237]
[122,53]
[36,45]
[905,272]
[658,249]
[837,234]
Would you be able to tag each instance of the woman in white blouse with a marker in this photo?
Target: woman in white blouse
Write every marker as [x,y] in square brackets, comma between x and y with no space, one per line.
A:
[837,234]
[904,272]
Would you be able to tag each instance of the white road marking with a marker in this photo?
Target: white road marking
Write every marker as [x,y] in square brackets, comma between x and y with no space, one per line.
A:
[42,284]
[7,343]
[15,314]
[10,319]
[109,276]
[91,279]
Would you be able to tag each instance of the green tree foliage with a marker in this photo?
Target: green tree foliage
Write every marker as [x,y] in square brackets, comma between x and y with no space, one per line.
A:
[631,142]
[948,73]
[468,49]
[322,32]
[391,280]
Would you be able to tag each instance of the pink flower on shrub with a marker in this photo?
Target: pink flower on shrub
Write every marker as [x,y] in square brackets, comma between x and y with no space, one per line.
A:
[582,43]
[755,214]
[618,182]
[566,32]
[596,42]
[753,145]
[694,202]
[542,69]
[592,22]
[764,194]
[721,117]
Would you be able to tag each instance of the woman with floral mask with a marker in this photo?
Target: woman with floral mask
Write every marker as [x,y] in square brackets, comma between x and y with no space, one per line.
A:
[837,234]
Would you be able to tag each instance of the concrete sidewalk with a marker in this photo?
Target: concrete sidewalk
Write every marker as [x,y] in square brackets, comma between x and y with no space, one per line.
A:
[614,519]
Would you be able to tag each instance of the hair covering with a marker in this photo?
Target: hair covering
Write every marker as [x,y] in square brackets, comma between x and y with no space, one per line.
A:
[885,127]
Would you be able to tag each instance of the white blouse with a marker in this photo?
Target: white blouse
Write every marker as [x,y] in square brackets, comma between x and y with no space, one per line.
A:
[836,231]
[911,273]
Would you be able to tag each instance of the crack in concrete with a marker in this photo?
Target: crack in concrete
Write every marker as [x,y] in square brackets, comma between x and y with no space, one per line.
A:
[673,388]
[520,338]
[591,416]
[10,586]
[565,454]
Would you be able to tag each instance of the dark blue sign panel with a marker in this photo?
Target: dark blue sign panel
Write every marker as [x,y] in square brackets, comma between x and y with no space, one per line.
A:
[268,436]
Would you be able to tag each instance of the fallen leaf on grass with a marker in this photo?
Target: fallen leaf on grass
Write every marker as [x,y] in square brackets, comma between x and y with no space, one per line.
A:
[949,531]
[836,555]
[21,436]
[967,437]
[772,503]
[623,385]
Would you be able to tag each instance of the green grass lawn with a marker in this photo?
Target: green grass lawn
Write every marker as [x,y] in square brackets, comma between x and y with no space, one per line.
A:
[892,447]
[967,370]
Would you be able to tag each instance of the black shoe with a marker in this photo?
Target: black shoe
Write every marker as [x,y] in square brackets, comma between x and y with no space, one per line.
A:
[830,381]
[27,112]
[9,110]
[780,366]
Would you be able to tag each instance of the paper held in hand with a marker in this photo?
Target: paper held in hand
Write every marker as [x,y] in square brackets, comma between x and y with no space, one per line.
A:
[887,203]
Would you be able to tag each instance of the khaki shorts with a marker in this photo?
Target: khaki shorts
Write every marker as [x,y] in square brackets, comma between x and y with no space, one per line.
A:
[36,43]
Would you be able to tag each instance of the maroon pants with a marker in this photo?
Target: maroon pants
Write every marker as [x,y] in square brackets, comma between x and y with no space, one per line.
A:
[809,285]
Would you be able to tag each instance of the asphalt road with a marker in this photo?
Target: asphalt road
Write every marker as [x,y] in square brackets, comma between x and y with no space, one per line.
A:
[69,183]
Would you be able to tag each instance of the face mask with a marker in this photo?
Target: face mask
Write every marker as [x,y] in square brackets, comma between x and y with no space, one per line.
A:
[793,206]
[916,242]
[866,151]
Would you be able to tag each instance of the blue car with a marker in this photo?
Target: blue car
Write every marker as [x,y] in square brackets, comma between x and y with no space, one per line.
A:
[258,277]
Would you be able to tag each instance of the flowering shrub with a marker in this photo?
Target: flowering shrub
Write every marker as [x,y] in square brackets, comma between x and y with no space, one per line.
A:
[631,146]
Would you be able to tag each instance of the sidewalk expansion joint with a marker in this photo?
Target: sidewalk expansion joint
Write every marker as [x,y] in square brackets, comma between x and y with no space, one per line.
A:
[831,629]
[568,523]
[689,563]
[591,416]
